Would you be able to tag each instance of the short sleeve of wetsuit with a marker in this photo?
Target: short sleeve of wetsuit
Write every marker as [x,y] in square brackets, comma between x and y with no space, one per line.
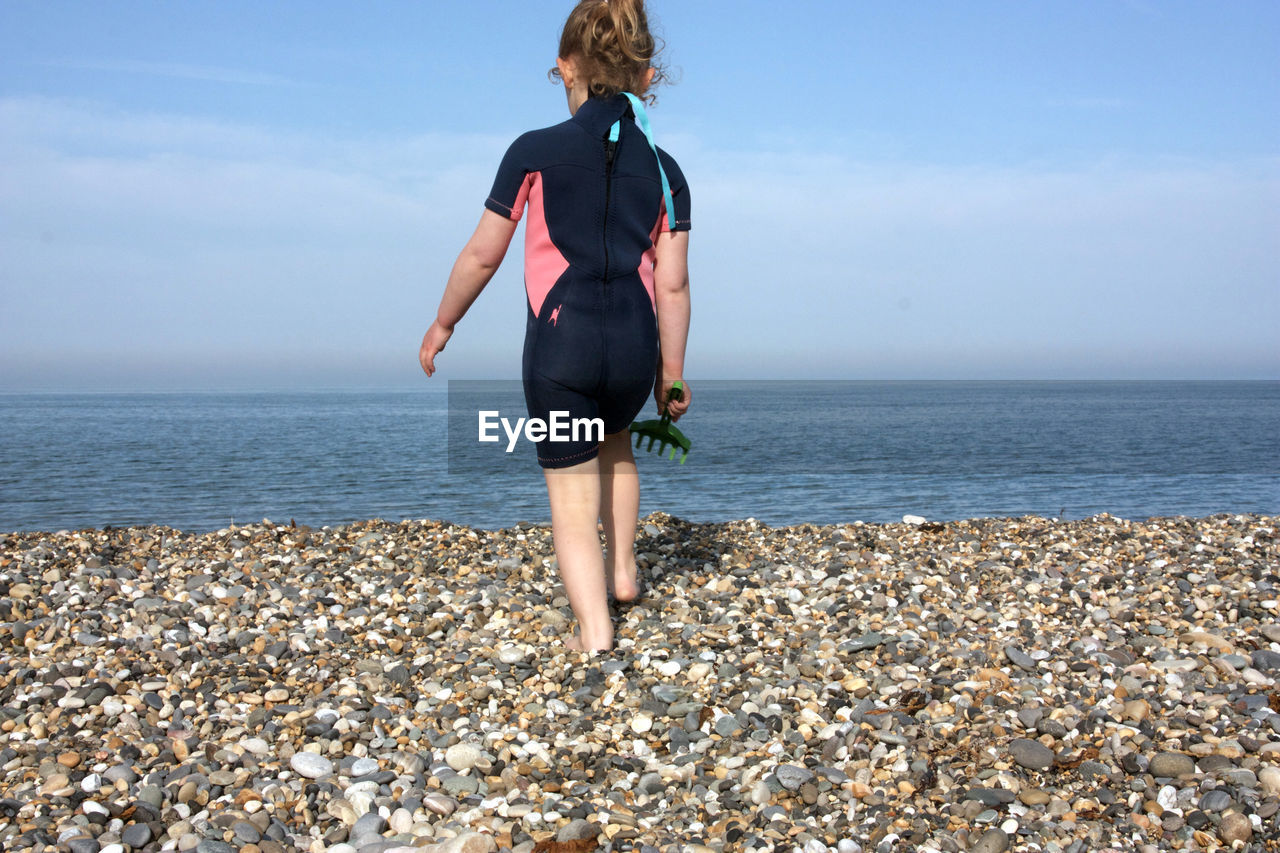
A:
[679,195]
[511,186]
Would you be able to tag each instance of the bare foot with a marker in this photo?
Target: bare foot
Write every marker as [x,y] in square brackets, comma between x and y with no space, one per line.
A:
[625,586]
[574,642]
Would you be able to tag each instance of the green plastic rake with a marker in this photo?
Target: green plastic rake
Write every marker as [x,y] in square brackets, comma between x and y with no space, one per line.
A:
[663,431]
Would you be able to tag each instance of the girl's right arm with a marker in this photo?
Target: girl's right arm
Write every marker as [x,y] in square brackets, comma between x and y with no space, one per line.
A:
[671,297]
[476,264]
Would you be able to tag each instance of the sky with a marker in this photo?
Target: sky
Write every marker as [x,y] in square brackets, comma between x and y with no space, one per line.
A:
[239,195]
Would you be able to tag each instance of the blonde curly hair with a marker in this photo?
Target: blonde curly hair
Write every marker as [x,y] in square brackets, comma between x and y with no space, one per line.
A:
[611,42]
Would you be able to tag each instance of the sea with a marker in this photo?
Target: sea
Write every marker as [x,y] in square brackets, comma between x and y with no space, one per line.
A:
[822,452]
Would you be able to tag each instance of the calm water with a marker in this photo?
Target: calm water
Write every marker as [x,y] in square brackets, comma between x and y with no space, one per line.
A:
[822,452]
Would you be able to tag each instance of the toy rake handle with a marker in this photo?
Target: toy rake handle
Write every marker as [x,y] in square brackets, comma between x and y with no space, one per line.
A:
[676,393]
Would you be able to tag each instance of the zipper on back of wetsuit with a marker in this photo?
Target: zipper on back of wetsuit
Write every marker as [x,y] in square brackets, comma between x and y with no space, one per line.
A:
[610,147]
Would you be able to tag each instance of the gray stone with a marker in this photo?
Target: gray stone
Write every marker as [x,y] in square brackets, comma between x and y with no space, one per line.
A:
[245,832]
[209,845]
[461,786]
[1030,754]
[136,835]
[1019,658]
[84,845]
[1216,800]
[367,829]
[151,795]
[651,783]
[1171,765]
[1266,660]
[727,725]
[994,840]
[792,777]
[1093,770]
[866,641]
[1051,727]
[990,796]
[578,830]
[119,772]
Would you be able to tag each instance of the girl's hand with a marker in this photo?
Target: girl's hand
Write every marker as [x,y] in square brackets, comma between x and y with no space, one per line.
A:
[432,343]
[677,407]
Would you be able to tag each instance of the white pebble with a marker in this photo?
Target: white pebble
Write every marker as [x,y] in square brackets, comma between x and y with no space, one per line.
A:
[1253,676]
[364,766]
[641,723]
[669,668]
[401,820]
[360,801]
[461,756]
[311,765]
[511,654]
[255,746]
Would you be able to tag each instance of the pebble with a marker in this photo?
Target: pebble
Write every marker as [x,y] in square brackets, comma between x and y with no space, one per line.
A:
[1235,827]
[365,766]
[311,765]
[1171,764]
[983,684]
[462,756]
[792,777]
[993,840]
[577,830]
[1031,754]
[1269,780]
[136,834]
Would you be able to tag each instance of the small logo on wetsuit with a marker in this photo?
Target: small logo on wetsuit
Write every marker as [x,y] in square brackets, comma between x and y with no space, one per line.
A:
[555,315]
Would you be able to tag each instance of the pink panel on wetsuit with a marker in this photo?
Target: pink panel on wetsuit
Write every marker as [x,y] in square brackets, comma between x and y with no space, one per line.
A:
[650,256]
[521,197]
[543,263]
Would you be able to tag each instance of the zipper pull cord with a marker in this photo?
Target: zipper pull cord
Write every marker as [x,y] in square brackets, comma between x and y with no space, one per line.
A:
[642,118]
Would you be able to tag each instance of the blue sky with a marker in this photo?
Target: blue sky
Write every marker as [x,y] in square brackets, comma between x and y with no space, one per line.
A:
[247,195]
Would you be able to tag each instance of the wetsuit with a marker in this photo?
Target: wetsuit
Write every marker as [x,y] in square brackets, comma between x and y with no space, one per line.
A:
[595,209]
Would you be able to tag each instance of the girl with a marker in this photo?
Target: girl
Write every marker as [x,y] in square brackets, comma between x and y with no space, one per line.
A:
[606,276]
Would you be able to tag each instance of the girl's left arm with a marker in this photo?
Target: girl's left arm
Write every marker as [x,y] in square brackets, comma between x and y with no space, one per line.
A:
[476,264]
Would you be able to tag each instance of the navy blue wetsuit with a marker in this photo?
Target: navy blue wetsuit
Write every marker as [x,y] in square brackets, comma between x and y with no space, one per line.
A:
[595,209]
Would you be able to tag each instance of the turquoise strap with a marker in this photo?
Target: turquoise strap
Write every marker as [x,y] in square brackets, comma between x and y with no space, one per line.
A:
[643,119]
[615,130]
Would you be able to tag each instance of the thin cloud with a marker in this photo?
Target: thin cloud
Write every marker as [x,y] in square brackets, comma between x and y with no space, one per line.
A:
[182,70]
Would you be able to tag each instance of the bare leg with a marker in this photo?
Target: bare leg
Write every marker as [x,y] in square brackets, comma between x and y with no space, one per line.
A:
[619,509]
[574,494]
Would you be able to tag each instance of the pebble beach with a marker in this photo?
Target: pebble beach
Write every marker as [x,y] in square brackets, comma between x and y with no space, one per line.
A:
[1023,684]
